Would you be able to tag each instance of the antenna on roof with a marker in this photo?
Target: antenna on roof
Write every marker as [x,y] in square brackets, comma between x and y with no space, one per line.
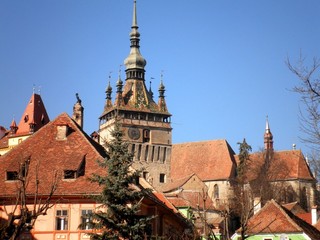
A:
[39,90]
[33,89]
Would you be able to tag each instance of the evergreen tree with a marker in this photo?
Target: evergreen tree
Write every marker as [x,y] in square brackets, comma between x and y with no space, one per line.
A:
[121,195]
[244,152]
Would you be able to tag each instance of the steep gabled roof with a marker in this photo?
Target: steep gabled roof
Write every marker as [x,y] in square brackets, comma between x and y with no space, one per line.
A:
[294,207]
[52,155]
[210,160]
[273,218]
[192,199]
[179,183]
[284,165]
[35,113]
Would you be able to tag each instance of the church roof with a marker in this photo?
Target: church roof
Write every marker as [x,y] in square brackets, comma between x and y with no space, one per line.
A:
[284,165]
[210,160]
[35,113]
[273,218]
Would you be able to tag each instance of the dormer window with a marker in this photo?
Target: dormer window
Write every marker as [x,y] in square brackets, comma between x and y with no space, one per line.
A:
[70,174]
[12,176]
[62,131]
[26,118]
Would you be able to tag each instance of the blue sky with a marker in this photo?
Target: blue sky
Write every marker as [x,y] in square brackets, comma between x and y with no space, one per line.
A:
[223,61]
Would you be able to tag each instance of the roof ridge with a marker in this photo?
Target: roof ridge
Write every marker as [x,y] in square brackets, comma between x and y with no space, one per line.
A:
[289,218]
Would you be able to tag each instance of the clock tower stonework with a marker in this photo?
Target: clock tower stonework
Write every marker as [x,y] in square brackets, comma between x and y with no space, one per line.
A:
[145,123]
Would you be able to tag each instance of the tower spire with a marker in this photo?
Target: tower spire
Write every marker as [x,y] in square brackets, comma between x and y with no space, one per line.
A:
[135,63]
[268,137]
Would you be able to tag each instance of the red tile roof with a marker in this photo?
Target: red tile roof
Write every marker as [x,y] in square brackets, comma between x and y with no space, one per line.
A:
[52,156]
[294,207]
[273,218]
[191,199]
[210,160]
[285,165]
[4,140]
[36,113]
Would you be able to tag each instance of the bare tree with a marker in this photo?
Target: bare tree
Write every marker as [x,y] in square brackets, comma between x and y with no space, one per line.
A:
[309,90]
[23,207]
[254,184]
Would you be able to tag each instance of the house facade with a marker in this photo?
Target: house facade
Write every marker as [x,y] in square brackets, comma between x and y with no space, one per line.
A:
[33,118]
[57,171]
[274,222]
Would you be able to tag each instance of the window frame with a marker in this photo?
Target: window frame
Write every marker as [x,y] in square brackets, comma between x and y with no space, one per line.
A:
[85,218]
[62,220]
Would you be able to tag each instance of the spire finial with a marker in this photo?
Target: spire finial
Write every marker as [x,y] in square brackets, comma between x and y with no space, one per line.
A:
[119,73]
[33,89]
[135,63]
[267,124]
[134,16]
[150,90]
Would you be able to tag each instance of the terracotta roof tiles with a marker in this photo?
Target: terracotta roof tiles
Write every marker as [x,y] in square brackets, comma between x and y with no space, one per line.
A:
[210,160]
[34,113]
[273,218]
[51,156]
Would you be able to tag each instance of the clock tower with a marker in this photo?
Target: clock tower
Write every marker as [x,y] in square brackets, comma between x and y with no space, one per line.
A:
[146,124]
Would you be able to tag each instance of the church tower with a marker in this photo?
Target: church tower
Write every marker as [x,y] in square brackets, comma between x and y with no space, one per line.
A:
[146,124]
[268,137]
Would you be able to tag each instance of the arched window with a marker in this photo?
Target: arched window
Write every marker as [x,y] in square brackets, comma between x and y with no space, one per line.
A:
[216,191]
[290,194]
[304,199]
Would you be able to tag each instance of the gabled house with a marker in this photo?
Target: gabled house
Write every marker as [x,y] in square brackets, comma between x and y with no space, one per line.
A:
[62,157]
[33,118]
[275,222]
[190,196]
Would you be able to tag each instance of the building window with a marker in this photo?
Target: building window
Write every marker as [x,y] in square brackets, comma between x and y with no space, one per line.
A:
[12,175]
[216,191]
[70,174]
[145,175]
[146,135]
[62,220]
[162,178]
[86,219]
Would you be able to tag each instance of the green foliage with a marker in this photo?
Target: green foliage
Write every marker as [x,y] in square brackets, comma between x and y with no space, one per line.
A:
[244,152]
[121,195]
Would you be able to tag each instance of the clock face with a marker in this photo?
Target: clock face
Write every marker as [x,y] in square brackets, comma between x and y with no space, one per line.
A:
[134,133]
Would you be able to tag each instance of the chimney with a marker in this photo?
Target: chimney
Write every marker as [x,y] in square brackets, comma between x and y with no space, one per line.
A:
[314,215]
[77,115]
[256,205]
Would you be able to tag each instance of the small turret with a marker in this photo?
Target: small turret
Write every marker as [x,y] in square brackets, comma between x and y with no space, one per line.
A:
[13,127]
[118,100]
[162,102]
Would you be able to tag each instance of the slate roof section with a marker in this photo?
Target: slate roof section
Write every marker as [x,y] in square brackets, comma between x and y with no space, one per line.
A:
[210,160]
[273,219]
[54,156]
